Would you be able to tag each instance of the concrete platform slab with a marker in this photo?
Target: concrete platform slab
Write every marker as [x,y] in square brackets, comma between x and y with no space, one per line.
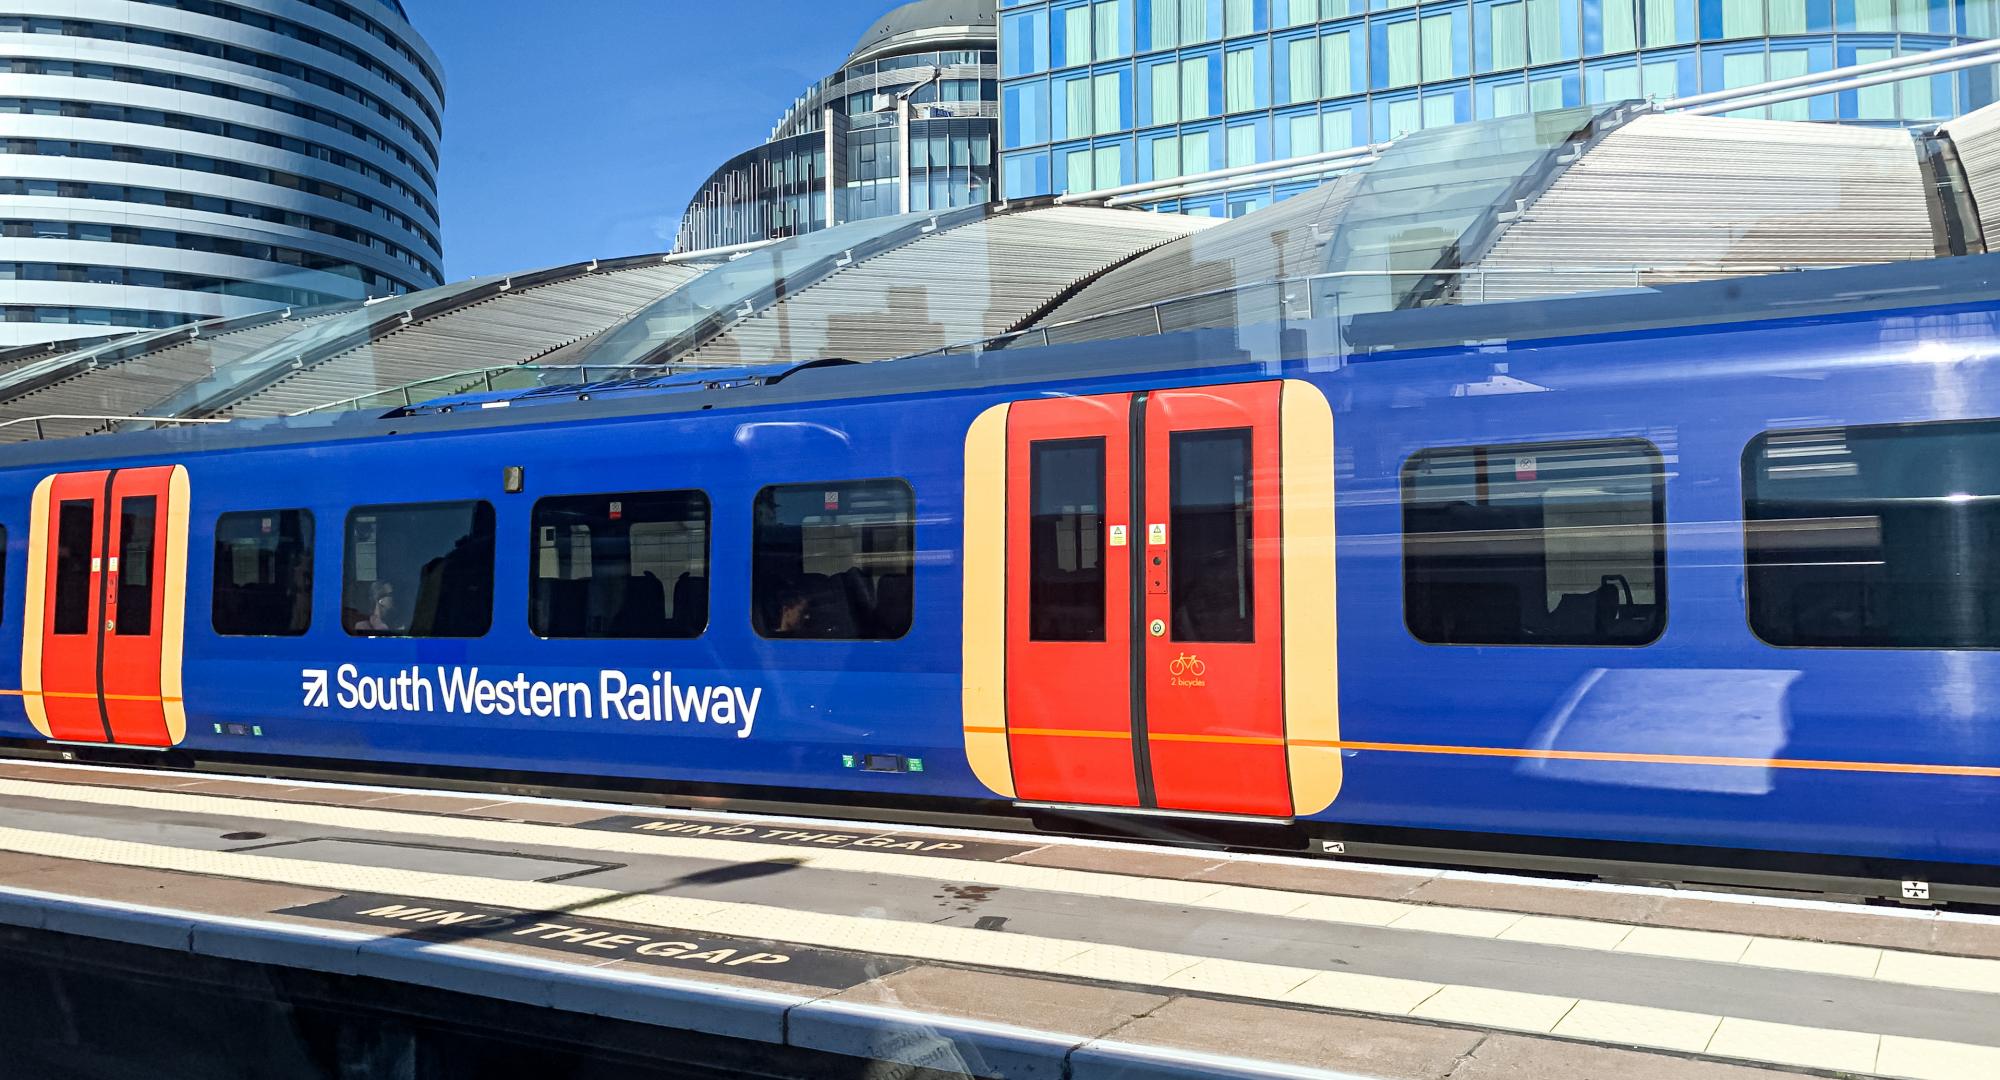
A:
[1308,878]
[1117,860]
[1889,930]
[1065,1008]
[1511,1057]
[1369,1047]
[1536,899]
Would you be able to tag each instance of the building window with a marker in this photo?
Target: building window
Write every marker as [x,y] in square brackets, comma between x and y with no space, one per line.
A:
[1201,86]
[1066,541]
[1026,174]
[1610,26]
[1298,74]
[1024,39]
[1539,544]
[1342,57]
[1160,23]
[629,565]
[1397,57]
[419,570]
[1074,95]
[1159,92]
[1443,37]
[1667,22]
[1289,13]
[1027,108]
[263,573]
[1875,537]
[1071,43]
[1112,35]
[1244,17]
[1111,93]
[1247,78]
[833,561]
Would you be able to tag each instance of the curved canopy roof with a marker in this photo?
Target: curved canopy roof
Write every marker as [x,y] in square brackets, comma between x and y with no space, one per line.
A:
[1621,199]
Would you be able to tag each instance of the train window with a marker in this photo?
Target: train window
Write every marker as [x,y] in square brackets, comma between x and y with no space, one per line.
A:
[135,564]
[419,570]
[1066,540]
[833,560]
[76,526]
[1209,547]
[630,565]
[1875,537]
[1542,544]
[263,573]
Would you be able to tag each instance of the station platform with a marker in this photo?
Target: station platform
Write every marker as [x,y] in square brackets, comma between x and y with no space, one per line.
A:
[965,953]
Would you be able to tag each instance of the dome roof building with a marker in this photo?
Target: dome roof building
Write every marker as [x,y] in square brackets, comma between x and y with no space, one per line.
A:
[909,123]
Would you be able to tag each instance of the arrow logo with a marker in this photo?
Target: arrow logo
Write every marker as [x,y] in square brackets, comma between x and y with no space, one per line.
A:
[315,688]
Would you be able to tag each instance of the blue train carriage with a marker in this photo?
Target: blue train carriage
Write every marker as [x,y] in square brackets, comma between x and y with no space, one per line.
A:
[1697,576]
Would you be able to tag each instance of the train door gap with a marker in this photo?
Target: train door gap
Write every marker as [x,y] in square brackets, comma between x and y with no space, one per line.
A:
[1142,764]
[104,572]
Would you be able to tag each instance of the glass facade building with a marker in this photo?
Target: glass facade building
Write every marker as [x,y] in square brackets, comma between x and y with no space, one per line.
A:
[165,162]
[909,123]
[1103,93]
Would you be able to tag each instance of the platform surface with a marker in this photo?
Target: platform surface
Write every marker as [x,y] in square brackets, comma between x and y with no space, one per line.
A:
[994,953]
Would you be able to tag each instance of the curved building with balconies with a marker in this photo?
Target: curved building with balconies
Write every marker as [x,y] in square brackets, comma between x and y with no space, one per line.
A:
[168,161]
[910,122]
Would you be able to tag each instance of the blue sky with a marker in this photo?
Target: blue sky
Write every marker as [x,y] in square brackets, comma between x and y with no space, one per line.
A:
[577,129]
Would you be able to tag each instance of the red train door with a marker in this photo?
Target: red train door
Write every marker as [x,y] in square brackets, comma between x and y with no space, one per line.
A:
[1144,660]
[1069,609]
[106,588]
[1213,665]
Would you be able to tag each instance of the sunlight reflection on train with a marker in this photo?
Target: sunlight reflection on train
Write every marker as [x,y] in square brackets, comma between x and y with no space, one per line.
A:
[1701,712]
[787,436]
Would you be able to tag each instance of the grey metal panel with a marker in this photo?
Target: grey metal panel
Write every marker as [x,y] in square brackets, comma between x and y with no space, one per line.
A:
[1712,193]
[1282,241]
[511,327]
[1977,136]
[131,386]
[954,285]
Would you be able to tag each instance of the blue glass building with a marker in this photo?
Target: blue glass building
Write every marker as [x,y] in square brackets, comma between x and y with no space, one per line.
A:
[1103,93]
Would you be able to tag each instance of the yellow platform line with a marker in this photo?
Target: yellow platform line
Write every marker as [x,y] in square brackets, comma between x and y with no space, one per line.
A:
[1956,973]
[1275,983]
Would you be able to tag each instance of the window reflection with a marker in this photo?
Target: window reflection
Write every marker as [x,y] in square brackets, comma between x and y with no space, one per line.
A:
[1536,544]
[1875,537]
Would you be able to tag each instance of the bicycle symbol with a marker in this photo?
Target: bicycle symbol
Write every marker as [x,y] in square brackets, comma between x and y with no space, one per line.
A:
[1185,664]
